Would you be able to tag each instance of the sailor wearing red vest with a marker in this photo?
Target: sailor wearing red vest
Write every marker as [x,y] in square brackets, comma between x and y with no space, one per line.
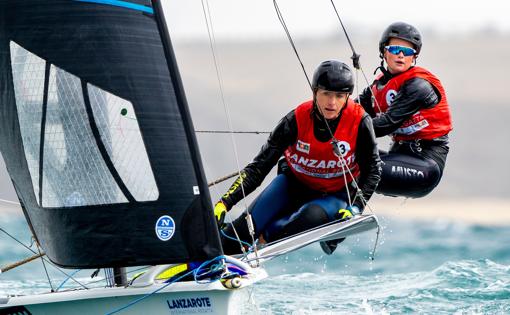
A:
[409,103]
[310,188]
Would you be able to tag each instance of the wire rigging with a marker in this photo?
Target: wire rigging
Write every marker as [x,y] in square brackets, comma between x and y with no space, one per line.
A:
[355,56]
[285,28]
[34,252]
[212,42]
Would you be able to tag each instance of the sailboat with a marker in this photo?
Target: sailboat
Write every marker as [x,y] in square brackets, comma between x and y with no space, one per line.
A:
[100,147]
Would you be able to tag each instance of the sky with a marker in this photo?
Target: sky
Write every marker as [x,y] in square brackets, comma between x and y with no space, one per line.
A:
[240,19]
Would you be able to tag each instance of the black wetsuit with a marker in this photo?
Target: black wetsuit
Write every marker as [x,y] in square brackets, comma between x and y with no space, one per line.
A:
[410,168]
[285,134]
[295,194]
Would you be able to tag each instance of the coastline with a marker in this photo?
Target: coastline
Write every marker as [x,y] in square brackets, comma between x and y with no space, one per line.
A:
[489,212]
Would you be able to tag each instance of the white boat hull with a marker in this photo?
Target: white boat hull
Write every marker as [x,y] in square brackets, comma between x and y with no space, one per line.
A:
[177,298]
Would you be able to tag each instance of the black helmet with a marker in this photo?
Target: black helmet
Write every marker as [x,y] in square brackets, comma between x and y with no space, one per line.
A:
[403,31]
[333,75]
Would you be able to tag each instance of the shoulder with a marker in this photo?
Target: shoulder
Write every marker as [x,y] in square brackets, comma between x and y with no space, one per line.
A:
[365,121]
[417,84]
[421,89]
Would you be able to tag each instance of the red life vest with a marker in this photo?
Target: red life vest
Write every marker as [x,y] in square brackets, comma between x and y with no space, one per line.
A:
[426,123]
[313,162]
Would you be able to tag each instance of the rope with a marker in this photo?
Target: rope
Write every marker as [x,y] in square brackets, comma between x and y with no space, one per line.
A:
[372,257]
[355,56]
[334,141]
[44,266]
[284,25]
[233,239]
[150,294]
[212,43]
[34,252]
[226,131]
[63,282]
[10,202]
[195,273]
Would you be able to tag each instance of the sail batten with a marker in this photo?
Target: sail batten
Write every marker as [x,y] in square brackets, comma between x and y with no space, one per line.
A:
[98,139]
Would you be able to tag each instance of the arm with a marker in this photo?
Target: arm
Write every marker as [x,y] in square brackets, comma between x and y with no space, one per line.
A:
[368,159]
[415,94]
[365,100]
[284,134]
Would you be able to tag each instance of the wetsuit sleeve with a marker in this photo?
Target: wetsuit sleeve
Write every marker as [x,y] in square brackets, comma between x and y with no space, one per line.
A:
[365,99]
[284,134]
[368,159]
[415,94]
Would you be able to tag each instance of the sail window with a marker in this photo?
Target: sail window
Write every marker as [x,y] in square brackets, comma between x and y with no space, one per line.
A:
[61,118]
[120,133]
[28,74]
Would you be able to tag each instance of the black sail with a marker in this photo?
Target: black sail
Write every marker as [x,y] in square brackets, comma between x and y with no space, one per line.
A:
[97,137]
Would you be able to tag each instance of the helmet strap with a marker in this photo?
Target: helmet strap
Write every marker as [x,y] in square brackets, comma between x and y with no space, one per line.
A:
[384,71]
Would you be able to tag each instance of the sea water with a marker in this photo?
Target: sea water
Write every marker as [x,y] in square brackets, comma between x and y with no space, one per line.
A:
[426,267]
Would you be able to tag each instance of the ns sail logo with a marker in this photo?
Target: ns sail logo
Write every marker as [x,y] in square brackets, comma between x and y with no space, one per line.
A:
[165,227]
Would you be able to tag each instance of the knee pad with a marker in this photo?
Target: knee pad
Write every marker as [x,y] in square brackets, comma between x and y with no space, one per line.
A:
[307,217]
[312,213]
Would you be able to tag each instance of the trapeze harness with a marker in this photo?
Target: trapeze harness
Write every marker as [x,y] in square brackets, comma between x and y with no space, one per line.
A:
[407,169]
[314,190]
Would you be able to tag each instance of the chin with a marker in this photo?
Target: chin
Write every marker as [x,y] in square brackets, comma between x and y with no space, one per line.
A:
[397,70]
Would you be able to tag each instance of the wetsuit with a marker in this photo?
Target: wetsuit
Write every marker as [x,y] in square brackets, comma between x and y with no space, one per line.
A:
[289,205]
[415,162]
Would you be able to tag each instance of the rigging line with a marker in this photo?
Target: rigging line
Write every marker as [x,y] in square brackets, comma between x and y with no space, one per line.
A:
[212,43]
[64,282]
[10,202]
[355,56]
[226,131]
[355,59]
[370,89]
[33,251]
[376,241]
[143,297]
[44,265]
[285,28]
[287,32]
[334,140]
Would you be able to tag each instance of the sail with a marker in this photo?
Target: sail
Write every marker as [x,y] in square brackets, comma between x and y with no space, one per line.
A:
[97,136]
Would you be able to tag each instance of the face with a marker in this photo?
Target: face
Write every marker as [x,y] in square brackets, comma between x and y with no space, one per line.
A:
[330,103]
[398,63]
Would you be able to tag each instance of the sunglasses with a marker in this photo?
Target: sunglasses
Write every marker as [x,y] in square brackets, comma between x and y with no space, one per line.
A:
[395,50]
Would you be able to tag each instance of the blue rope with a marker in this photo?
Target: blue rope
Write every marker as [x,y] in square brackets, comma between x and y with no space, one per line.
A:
[195,273]
[213,269]
[149,294]
[68,277]
[234,239]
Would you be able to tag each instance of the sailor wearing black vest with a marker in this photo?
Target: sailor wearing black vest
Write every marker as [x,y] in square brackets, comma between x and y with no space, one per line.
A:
[409,103]
[310,188]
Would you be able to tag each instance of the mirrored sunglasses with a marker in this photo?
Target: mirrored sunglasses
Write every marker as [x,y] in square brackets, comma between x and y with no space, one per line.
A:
[395,50]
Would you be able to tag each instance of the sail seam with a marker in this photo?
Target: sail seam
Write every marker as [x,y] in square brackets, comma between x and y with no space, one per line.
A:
[101,146]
